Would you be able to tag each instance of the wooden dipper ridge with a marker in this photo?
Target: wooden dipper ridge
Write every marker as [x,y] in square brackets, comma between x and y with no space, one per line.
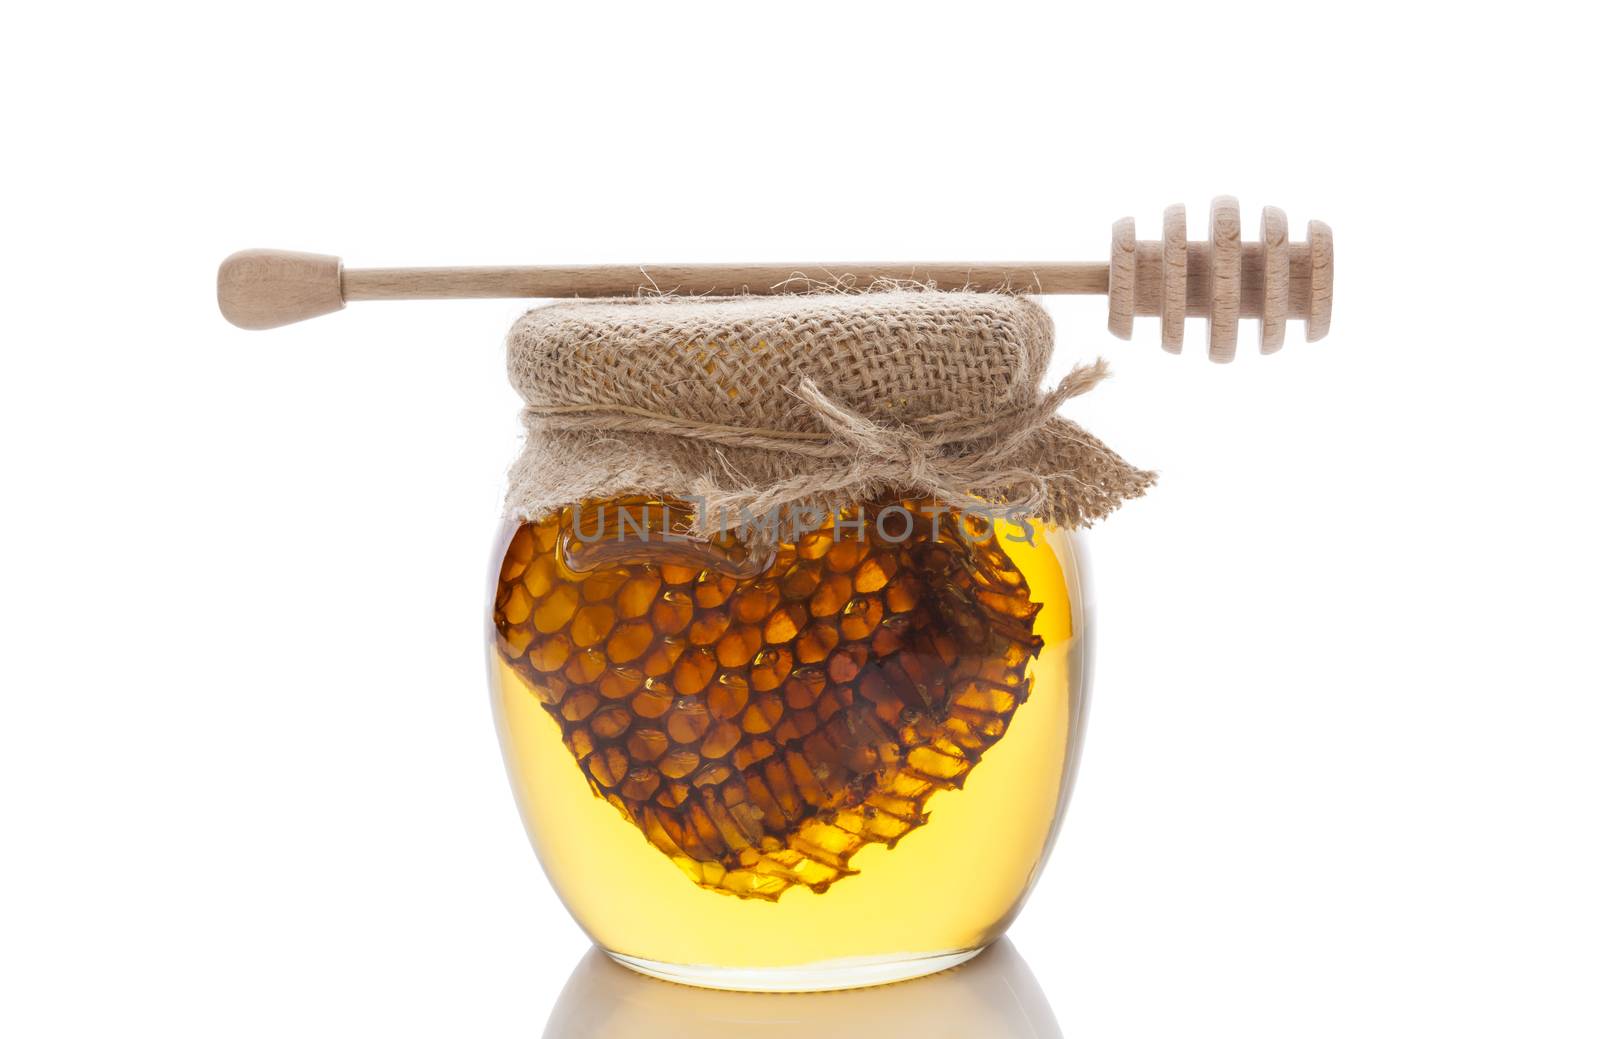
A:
[1221,278]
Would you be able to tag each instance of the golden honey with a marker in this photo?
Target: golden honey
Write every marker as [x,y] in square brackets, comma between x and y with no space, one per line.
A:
[839,762]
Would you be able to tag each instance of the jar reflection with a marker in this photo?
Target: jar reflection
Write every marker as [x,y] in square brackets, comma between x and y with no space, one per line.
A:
[994,995]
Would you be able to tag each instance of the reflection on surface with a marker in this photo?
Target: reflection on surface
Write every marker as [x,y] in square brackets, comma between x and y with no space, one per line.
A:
[993,995]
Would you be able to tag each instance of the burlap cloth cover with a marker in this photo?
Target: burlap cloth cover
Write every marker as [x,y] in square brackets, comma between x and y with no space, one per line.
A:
[806,402]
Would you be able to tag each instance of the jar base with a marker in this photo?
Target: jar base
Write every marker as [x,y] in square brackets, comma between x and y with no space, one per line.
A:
[823,976]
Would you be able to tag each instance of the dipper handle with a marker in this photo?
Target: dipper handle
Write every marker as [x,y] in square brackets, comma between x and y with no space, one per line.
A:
[265,288]
[1222,278]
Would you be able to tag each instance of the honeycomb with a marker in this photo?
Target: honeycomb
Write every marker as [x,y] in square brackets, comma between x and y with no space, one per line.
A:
[762,720]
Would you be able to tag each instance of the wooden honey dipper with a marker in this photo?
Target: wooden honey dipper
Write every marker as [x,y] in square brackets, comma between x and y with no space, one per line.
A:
[1222,278]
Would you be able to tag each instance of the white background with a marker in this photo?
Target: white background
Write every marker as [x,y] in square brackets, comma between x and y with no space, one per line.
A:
[1340,773]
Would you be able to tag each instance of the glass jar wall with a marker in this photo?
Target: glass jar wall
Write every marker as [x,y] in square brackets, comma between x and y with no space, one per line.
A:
[838,762]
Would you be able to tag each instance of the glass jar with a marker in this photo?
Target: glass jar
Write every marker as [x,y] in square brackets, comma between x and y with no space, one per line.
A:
[835,762]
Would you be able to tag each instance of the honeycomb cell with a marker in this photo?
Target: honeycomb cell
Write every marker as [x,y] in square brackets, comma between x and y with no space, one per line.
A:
[672,612]
[556,609]
[816,642]
[519,553]
[549,654]
[514,642]
[802,690]
[694,672]
[647,745]
[637,595]
[619,682]
[628,642]
[752,604]
[708,626]
[640,784]
[592,623]
[800,581]
[540,576]
[712,589]
[579,704]
[663,657]
[738,647]
[688,720]
[679,763]
[602,585]
[721,739]
[610,722]
[832,593]
[784,624]
[652,701]
[874,572]
[678,574]
[585,667]
[728,697]
[518,605]
[763,714]
[862,615]
[769,668]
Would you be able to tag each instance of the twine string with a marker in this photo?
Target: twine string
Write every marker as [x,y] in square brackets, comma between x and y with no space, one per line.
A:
[950,457]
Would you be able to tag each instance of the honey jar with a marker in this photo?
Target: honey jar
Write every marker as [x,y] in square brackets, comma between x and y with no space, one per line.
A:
[787,624]
[827,742]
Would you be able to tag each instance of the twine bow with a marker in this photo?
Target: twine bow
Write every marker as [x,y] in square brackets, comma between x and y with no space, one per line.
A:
[950,457]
